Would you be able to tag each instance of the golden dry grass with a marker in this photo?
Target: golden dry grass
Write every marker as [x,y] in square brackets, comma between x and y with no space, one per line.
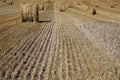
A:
[30,12]
[73,45]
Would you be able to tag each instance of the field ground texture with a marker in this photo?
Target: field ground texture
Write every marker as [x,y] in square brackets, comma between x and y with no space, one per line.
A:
[70,45]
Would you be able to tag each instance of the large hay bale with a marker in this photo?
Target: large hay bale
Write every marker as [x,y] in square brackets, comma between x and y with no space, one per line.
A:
[112,6]
[41,7]
[62,7]
[46,5]
[29,12]
[4,1]
[46,1]
[78,3]
[11,3]
[43,1]
[97,6]
[24,12]
[69,4]
[57,6]
[43,4]
[93,11]
[35,13]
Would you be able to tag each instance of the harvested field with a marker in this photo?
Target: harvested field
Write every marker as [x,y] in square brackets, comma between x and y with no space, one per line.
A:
[69,45]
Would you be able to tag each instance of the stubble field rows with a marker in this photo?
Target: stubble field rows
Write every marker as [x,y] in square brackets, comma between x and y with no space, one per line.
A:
[62,47]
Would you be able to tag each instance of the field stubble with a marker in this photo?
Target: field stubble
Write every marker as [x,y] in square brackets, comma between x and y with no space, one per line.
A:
[62,49]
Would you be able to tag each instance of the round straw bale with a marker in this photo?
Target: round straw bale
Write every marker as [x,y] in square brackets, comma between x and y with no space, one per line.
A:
[69,3]
[35,13]
[29,12]
[112,6]
[4,1]
[46,1]
[78,3]
[93,11]
[41,7]
[24,12]
[45,5]
[62,7]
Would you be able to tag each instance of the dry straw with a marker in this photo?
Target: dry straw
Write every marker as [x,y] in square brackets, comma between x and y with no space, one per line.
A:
[41,7]
[62,7]
[93,11]
[46,1]
[69,3]
[30,12]
[4,1]
[45,5]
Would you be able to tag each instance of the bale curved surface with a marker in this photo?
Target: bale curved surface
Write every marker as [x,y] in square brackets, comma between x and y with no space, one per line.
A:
[62,7]
[93,11]
[29,12]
